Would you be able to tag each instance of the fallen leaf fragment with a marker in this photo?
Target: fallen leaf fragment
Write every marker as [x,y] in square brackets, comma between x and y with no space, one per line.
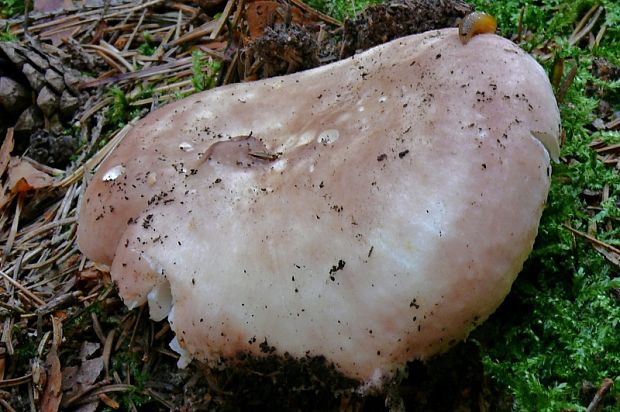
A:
[69,377]
[52,5]
[88,349]
[53,33]
[89,371]
[79,380]
[24,177]
[52,395]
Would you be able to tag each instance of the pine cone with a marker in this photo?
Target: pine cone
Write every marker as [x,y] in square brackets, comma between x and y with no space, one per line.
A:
[37,91]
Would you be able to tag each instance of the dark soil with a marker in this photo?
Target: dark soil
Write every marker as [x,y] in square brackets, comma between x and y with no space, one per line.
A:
[385,22]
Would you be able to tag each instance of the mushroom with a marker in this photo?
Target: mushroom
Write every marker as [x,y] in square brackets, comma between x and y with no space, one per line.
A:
[371,211]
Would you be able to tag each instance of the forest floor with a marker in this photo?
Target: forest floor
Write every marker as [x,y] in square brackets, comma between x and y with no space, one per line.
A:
[87,70]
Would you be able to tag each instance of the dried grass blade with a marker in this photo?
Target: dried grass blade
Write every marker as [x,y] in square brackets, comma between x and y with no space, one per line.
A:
[599,35]
[167,69]
[7,383]
[13,232]
[568,80]
[582,28]
[59,302]
[23,289]
[102,387]
[161,49]
[114,52]
[68,248]
[223,18]
[203,30]
[177,31]
[159,398]
[52,394]
[317,13]
[107,351]
[595,241]
[104,55]
[45,228]
[7,334]
[6,406]
[135,31]
[609,148]
[5,150]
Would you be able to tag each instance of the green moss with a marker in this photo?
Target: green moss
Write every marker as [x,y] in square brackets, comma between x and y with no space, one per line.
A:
[148,47]
[567,328]
[26,349]
[129,364]
[204,71]
[341,9]
[7,35]
[118,113]
[121,111]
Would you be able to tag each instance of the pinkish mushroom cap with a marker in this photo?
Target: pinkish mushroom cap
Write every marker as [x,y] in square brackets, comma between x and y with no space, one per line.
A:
[371,211]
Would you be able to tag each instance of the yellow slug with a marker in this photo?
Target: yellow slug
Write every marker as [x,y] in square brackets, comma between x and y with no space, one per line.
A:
[475,23]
